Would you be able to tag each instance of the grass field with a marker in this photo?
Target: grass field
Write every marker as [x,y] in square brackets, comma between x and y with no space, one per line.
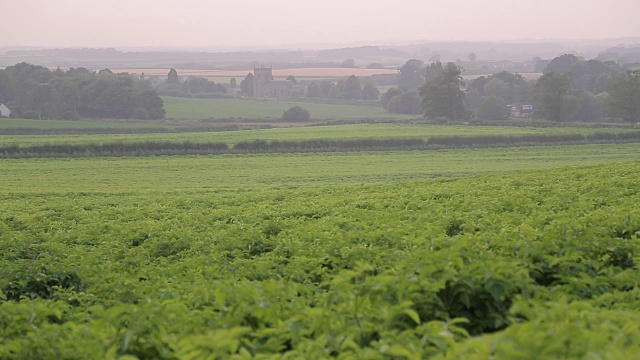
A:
[227,172]
[186,108]
[67,124]
[351,131]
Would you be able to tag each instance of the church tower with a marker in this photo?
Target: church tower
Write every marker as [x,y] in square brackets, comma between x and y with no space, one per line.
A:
[261,76]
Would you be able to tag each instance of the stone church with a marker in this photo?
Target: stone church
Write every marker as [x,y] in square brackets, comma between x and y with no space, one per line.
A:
[264,85]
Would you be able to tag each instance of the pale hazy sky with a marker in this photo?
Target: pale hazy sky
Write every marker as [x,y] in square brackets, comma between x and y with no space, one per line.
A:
[236,23]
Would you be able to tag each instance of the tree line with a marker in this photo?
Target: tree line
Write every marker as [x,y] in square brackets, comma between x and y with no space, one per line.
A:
[36,92]
[571,89]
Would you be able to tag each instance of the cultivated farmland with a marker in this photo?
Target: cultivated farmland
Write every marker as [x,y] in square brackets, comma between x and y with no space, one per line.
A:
[108,258]
[450,253]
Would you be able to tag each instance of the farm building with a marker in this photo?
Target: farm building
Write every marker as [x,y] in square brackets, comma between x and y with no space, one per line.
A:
[521,110]
[264,85]
[4,111]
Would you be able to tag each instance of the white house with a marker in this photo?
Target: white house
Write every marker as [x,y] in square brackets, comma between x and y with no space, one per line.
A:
[4,111]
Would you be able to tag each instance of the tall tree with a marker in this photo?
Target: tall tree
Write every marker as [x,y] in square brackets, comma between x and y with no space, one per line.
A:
[411,75]
[433,70]
[624,96]
[553,97]
[246,85]
[172,77]
[494,108]
[7,91]
[442,96]
[292,79]
[313,91]
[352,88]
[370,92]
[388,95]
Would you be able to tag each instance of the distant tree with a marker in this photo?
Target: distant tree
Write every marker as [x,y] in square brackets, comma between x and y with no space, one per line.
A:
[478,84]
[172,77]
[326,88]
[370,92]
[152,104]
[494,108]
[433,70]
[442,96]
[406,103]
[388,95]
[246,85]
[497,87]
[233,83]
[313,91]
[553,97]
[78,92]
[105,71]
[292,79]
[562,64]
[591,75]
[336,92]
[435,58]
[411,75]
[7,90]
[349,63]
[624,96]
[141,114]
[472,56]
[589,107]
[352,88]
[42,96]
[375,65]
[200,85]
[296,113]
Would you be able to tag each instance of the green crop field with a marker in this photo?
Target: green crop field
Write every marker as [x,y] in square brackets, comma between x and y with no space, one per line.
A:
[185,108]
[249,171]
[355,131]
[516,252]
[313,256]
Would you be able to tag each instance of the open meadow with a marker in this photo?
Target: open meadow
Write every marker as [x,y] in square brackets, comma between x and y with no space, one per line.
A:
[189,108]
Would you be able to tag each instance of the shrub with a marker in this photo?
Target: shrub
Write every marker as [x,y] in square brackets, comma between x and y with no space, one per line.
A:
[296,113]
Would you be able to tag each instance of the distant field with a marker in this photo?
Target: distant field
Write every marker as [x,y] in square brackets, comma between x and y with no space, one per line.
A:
[306,72]
[187,108]
[66,124]
[337,132]
[220,172]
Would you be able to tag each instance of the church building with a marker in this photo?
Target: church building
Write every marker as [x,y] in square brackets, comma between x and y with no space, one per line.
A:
[264,85]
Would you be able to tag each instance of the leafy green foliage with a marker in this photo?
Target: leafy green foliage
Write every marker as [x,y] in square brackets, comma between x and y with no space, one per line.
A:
[43,94]
[538,263]
[442,96]
[296,113]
